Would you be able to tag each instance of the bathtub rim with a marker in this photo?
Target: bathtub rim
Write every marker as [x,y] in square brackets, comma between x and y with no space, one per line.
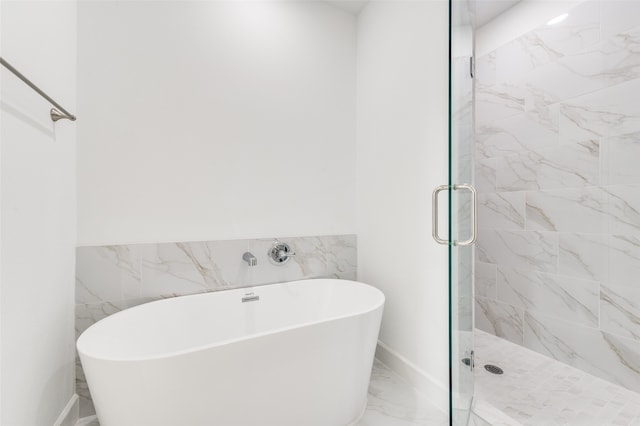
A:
[167,355]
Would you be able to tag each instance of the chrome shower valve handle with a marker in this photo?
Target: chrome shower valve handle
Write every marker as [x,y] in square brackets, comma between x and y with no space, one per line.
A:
[280,253]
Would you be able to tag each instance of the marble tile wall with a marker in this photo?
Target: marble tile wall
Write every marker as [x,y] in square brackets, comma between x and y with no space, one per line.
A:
[112,278]
[558,172]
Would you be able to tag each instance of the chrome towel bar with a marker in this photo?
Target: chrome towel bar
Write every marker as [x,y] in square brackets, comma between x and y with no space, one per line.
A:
[56,113]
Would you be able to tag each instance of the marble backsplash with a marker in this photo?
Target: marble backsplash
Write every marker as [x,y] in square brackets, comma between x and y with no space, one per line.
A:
[112,278]
[557,169]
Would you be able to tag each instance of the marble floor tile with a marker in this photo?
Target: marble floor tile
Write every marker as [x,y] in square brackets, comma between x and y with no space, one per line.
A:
[536,390]
[391,402]
[482,410]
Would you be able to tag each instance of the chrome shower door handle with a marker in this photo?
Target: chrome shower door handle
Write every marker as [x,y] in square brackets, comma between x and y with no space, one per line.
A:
[434,214]
[474,214]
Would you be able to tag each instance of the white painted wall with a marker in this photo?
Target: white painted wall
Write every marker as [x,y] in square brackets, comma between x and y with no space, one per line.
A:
[37,213]
[401,157]
[215,120]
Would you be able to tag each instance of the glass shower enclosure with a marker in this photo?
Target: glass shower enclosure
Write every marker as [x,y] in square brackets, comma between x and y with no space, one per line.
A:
[461,212]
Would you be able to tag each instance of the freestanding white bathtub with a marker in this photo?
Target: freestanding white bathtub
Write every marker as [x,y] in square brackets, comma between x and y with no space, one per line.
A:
[301,355]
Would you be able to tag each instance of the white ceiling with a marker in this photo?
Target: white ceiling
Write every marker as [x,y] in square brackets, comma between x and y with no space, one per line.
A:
[486,10]
[351,6]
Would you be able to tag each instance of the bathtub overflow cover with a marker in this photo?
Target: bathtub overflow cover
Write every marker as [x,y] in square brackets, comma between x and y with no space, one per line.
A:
[250,297]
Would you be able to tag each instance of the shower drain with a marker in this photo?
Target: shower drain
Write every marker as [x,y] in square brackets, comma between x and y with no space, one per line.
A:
[493,369]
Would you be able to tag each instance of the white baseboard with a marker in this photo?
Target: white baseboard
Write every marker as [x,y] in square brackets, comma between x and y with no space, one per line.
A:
[70,413]
[84,421]
[420,380]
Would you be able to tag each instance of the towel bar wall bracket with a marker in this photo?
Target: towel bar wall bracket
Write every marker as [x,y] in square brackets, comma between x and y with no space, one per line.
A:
[57,113]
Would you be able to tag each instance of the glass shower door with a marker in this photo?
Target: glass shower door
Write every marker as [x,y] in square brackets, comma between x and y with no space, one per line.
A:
[462,211]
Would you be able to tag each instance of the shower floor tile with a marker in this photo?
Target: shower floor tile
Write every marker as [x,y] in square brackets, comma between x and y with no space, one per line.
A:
[391,402]
[536,390]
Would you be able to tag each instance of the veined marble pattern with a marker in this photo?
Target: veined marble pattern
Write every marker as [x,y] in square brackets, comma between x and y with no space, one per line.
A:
[566,78]
[603,113]
[620,295]
[594,69]
[613,358]
[90,313]
[186,268]
[568,210]
[107,273]
[485,175]
[341,256]
[519,249]
[499,101]
[311,260]
[391,402]
[572,299]
[502,210]
[624,260]
[624,209]
[575,165]
[500,319]
[622,62]
[550,43]
[85,402]
[112,278]
[486,280]
[485,414]
[517,172]
[545,167]
[566,267]
[619,155]
[520,132]
[618,17]
[535,390]
[118,273]
[523,55]
[583,256]
[486,69]
[620,310]
[87,315]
